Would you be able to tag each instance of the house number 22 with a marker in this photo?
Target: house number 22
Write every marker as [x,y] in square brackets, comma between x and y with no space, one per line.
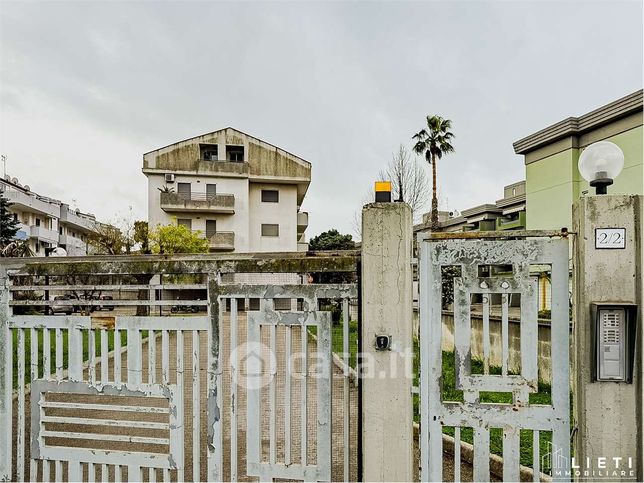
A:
[606,238]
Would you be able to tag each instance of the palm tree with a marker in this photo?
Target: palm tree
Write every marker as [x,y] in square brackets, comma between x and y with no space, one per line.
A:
[434,141]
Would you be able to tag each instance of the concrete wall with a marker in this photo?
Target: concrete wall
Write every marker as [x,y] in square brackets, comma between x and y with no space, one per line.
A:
[608,414]
[387,431]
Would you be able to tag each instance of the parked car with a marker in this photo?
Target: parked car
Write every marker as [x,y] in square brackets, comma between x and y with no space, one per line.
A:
[103,307]
[61,308]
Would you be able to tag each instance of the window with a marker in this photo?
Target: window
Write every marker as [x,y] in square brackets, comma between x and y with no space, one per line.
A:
[37,221]
[15,216]
[187,222]
[209,152]
[211,191]
[211,228]
[184,190]
[270,196]
[235,153]
[270,230]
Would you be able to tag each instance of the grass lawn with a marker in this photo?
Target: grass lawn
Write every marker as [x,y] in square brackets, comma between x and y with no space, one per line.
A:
[450,393]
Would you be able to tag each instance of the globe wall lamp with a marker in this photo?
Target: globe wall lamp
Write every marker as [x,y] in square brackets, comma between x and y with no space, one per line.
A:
[600,163]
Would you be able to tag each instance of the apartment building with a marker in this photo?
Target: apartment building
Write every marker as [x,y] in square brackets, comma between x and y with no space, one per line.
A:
[241,193]
[46,222]
[550,155]
[508,213]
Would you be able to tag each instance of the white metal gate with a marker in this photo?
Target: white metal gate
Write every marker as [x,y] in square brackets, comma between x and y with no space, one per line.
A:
[119,369]
[493,270]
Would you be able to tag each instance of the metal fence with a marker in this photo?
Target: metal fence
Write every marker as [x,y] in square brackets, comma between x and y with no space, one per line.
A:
[143,380]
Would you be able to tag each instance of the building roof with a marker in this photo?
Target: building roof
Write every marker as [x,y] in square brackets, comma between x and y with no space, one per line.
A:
[574,126]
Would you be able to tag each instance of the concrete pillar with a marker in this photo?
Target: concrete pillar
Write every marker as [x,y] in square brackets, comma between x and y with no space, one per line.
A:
[387,431]
[608,414]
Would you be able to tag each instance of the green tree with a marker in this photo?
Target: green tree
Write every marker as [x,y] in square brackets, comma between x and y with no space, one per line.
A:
[171,239]
[8,224]
[106,240]
[142,235]
[434,142]
[332,240]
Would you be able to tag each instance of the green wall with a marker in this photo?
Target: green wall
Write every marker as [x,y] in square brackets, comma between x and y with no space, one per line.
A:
[554,183]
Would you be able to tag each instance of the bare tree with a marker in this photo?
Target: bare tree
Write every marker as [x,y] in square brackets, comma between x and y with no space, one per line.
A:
[408,179]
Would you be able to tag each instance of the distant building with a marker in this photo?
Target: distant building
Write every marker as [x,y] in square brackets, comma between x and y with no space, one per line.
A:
[508,213]
[46,222]
[239,192]
[553,182]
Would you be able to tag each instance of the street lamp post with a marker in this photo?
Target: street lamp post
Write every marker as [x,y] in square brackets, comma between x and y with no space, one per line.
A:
[600,163]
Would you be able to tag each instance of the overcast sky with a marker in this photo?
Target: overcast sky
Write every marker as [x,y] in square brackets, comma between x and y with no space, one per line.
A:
[87,88]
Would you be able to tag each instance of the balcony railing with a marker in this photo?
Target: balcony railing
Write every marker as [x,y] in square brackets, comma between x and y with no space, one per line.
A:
[517,223]
[32,202]
[197,202]
[220,240]
[302,221]
[81,222]
[43,234]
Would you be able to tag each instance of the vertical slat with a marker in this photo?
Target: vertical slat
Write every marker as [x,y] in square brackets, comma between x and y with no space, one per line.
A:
[486,333]
[214,423]
[74,471]
[233,390]
[165,357]
[33,466]
[510,454]
[104,361]
[20,437]
[271,396]
[180,406]
[104,477]
[152,358]
[133,471]
[153,475]
[59,470]
[117,361]
[536,457]
[505,336]
[46,354]
[304,416]
[134,357]
[117,468]
[323,400]
[345,389]
[91,349]
[59,355]
[457,453]
[91,472]
[166,475]
[46,362]
[253,397]
[6,380]
[75,354]
[287,398]
[481,454]
[196,409]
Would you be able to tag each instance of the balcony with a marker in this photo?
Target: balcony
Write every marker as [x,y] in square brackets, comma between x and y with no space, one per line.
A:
[43,234]
[82,223]
[222,241]
[197,203]
[515,224]
[302,221]
[32,203]
[71,241]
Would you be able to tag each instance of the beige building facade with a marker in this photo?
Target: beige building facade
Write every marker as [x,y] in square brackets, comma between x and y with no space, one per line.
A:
[239,192]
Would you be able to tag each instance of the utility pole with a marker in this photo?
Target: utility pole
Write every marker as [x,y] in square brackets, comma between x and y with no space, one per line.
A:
[4,164]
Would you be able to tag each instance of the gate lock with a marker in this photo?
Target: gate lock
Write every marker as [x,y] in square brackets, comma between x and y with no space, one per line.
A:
[383,342]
